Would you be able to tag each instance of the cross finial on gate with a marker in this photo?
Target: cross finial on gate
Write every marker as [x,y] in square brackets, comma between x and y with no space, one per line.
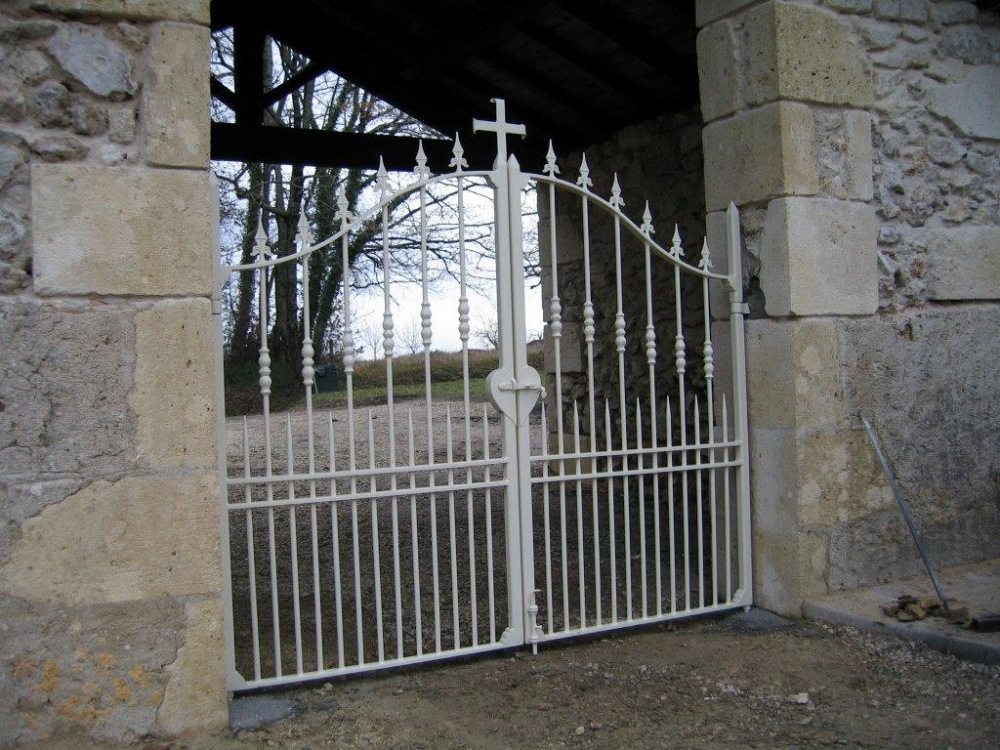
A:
[501,127]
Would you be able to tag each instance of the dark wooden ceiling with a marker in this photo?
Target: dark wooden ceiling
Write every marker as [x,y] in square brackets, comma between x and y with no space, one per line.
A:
[572,71]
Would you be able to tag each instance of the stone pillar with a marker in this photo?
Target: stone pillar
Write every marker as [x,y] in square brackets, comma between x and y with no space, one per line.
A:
[109,551]
[785,94]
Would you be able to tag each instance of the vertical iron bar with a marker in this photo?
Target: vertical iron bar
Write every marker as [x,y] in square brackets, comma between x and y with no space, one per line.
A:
[581,562]
[376,543]
[709,366]
[338,593]
[452,538]
[348,342]
[251,555]
[546,520]
[489,528]
[608,451]
[294,546]
[671,530]
[642,509]
[681,365]
[308,379]
[698,504]
[650,341]
[413,537]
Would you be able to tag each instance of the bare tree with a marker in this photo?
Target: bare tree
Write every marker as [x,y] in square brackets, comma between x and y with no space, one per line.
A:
[488,332]
[271,196]
[408,336]
[370,336]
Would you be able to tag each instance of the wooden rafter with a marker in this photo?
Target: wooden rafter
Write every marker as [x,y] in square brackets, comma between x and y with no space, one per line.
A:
[441,61]
[274,145]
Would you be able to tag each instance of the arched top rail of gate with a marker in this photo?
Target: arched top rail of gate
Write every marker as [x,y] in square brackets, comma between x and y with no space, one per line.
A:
[349,221]
[611,206]
[642,232]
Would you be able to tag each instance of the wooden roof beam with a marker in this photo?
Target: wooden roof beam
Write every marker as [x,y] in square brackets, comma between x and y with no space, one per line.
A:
[308,73]
[222,92]
[248,66]
[352,59]
[321,148]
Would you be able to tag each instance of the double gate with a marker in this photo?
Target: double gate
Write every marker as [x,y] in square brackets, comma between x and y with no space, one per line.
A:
[616,494]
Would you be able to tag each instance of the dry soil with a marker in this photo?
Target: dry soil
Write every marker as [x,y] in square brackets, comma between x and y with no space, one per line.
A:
[738,681]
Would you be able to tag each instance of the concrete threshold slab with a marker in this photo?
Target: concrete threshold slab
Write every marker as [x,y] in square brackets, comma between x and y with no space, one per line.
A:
[976,587]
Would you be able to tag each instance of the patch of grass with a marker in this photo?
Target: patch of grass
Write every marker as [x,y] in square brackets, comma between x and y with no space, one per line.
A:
[409,369]
[448,390]
[243,391]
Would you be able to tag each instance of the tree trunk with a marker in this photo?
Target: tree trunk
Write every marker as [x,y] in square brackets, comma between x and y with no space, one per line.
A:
[244,340]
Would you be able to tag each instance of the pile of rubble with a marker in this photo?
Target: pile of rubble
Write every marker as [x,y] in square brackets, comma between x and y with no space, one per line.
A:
[908,608]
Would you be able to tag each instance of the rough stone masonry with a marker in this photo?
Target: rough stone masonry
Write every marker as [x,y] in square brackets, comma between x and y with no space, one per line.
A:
[110,616]
[860,139]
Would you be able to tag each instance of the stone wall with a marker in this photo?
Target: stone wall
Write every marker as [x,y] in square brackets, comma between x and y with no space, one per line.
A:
[924,366]
[860,139]
[110,616]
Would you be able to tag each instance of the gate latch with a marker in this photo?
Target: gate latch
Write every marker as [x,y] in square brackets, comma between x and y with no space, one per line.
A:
[503,387]
[513,385]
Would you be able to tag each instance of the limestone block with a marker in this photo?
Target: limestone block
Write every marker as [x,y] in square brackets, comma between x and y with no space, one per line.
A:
[153,238]
[137,538]
[771,388]
[90,671]
[819,257]
[841,479]
[970,106]
[195,697]
[814,551]
[707,11]
[761,154]
[793,374]
[776,561]
[816,369]
[173,396]
[175,109]
[195,11]
[964,263]
[98,63]
[858,156]
[63,389]
[719,71]
[782,44]
[791,561]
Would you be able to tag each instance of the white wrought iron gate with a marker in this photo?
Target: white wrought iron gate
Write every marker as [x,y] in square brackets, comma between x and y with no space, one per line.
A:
[616,494]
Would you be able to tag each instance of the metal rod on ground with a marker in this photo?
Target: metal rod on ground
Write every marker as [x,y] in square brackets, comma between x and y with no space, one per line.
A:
[905,510]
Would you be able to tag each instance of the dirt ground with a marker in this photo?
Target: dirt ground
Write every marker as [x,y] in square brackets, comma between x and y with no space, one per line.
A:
[738,681]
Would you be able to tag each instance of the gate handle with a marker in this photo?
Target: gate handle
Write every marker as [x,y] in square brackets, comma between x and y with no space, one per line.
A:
[513,385]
